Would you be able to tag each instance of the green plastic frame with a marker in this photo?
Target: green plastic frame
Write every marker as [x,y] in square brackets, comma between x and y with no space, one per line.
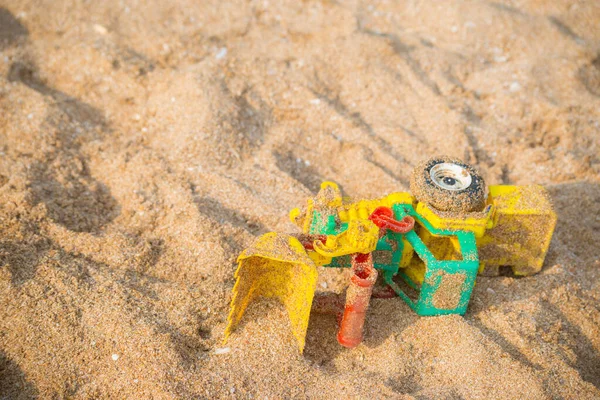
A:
[436,271]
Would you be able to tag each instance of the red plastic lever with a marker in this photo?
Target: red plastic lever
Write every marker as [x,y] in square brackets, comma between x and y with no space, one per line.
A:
[383,217]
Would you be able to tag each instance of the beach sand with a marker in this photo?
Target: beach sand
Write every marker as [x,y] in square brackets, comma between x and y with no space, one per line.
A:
[144,145]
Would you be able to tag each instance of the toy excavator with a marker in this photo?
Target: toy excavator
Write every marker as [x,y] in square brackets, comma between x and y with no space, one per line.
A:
[428,246]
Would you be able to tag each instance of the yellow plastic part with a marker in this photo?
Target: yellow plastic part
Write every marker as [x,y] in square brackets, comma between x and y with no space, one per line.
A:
[327,201]
[442,247]
[302,219]
[318,259]
[523,224]
[275,266]
[407,253]
[332,195]
[360,237]
[476,222]
[416,270]
[362,209]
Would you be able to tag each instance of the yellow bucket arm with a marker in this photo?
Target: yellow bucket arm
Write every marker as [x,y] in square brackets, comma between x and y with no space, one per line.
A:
[275,266]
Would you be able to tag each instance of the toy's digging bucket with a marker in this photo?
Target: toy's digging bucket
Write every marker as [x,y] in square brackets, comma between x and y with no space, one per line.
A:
[275,266]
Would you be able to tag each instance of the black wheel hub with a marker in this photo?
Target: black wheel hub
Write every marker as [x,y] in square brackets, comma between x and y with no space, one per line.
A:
[449,181]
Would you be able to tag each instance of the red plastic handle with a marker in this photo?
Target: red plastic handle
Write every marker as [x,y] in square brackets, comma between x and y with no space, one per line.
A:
[383,217]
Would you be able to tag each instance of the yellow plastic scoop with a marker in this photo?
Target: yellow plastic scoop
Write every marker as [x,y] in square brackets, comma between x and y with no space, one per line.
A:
[275,266]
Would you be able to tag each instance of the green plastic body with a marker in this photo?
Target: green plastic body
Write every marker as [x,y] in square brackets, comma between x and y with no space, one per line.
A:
[447,284]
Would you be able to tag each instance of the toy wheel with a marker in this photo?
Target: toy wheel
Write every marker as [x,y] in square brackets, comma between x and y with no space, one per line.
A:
[448,184]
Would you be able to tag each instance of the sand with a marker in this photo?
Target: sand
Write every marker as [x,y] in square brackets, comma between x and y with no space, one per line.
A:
[143,145]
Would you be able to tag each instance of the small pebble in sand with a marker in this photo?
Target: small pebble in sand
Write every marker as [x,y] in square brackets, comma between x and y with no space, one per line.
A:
[514,87]
[100,29]
[221,53]
[115,357]
[223,350]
